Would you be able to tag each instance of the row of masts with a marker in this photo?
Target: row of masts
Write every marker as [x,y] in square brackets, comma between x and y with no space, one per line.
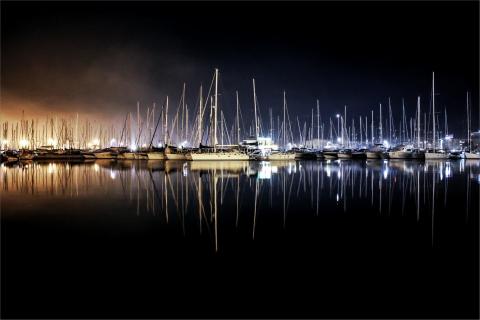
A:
[154,130]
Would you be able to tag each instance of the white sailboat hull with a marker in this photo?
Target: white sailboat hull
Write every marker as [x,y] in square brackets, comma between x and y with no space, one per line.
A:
[175,156]
[141,156]
[217,156]
[374,155]
[435,156]
[344,155]
[471,155]
[126,156]
[105,155]
[281,156]
[156,156]
[400,155]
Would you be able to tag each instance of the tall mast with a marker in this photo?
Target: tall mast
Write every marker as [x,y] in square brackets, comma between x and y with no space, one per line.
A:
[284,121]
[373,131]
[311,131]
[366,130]
[216,107]
[344,126]
[166,123]
[138,123]
[389,121]
[468,125]
[381,133]
[418,122]
[271,123]
[200,116]
[318,124]
[255,107]
[76,133]
[446,125]
[361,133]
[403,121]
[433,108]
[238,118]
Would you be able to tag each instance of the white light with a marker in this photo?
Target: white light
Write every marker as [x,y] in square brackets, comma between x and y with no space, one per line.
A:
[51,168]
[339,139]
[133,147]
[96,167]
[23,143]
[51,142]
[112,142]
[385,173]
[338,116]
[183,144]
[386,144]
[113,174]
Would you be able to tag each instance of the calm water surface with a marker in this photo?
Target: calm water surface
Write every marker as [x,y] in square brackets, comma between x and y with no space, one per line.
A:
[336,239]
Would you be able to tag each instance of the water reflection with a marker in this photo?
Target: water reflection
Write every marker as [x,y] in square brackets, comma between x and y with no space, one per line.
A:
[206,197]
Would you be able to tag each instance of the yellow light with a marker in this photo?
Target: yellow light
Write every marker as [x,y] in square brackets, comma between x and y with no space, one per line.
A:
[96,167]
[51,142]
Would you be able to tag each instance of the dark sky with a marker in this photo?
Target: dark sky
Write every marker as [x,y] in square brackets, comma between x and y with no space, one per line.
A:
[103,57]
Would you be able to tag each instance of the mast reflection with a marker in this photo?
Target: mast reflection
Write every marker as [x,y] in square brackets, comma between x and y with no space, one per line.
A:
[212,196]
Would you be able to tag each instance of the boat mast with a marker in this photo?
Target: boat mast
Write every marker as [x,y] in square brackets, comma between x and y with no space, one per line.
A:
[284,121]
[200,115]
[390,120]
[468,126]
[238,118]
[311,131]
[216,107]
[446,124]
[373,131]
[138,123]
[166,124]
[318,124]
[255,107]
[403,122]
[380,128]
[433,108]
[418,122]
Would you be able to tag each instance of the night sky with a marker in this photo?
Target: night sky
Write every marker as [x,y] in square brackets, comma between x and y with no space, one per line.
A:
[100,58]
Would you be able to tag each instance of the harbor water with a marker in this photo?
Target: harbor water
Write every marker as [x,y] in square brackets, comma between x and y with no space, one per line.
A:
[300,239]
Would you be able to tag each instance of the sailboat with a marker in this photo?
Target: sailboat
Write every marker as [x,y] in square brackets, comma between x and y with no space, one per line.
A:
[276,154]
[378,151]
[434,154]
[216,153]
[468,153]
[409,152]
[154,153]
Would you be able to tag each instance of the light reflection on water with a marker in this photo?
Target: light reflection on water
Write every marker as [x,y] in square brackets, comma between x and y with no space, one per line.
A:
[200,195]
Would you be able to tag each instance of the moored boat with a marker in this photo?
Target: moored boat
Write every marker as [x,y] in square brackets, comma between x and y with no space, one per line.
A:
[105,154]
[471,155]
[404,152]
[174,153]
[330,155]
[436,155]
[376,152]
[345,154]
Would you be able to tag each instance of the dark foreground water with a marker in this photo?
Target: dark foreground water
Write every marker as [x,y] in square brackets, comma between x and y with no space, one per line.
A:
[339,239]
